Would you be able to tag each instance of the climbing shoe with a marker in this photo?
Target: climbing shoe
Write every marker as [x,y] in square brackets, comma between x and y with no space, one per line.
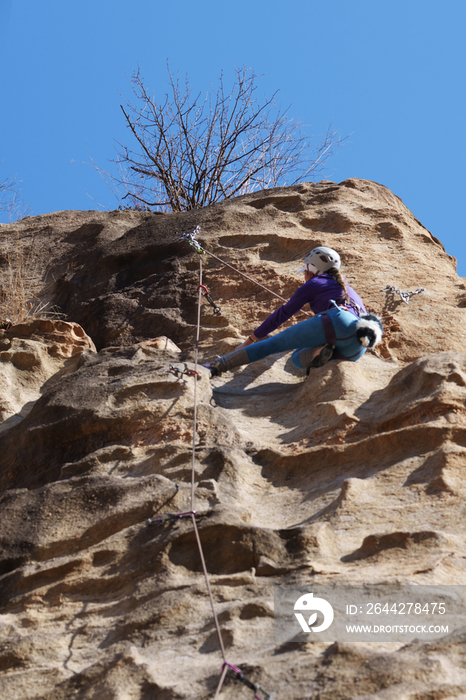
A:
[315,357]
[215,367]
[225,363]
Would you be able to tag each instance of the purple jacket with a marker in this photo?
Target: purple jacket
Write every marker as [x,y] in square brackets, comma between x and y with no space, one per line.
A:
[317,292]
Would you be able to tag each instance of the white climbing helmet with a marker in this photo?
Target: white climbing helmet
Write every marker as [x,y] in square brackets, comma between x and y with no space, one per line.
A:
[320,260]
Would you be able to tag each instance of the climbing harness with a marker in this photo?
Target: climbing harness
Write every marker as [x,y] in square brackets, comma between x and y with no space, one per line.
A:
[180,372]
[191,239]
[406,296]
[329,332]
[206,295]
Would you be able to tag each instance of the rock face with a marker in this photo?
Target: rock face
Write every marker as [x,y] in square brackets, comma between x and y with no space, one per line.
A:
[354,474]
[31,354]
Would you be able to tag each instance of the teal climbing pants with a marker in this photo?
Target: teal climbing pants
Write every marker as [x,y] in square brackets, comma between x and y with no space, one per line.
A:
[312,332]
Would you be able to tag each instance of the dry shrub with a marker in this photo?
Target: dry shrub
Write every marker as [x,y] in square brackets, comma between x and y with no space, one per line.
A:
[21,283]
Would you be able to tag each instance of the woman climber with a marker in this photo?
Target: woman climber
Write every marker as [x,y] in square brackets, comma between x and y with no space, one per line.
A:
[341,328]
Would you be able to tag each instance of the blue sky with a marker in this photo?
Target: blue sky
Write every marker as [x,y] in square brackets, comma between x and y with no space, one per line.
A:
[390,76]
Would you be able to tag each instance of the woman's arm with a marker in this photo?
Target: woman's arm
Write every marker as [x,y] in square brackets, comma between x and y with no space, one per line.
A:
[303,295]
[251,339]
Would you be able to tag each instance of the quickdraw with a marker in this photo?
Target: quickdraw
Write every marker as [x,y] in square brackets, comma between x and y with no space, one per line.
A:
[237,674]
[405,296]
[169,516]
[186,371]
[191,239]
[206,295]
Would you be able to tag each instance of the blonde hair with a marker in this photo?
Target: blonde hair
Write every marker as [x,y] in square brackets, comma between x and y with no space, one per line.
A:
[338,277]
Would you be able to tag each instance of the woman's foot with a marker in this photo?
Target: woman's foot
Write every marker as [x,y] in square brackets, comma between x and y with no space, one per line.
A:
[214,366]
[228,362]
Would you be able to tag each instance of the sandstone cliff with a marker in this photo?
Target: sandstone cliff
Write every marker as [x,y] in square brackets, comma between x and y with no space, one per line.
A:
[352,475]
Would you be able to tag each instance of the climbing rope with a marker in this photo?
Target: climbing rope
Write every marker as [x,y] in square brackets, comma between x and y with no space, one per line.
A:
[227,668]
[238,675]
[193,468]
[405,296]
[191,239]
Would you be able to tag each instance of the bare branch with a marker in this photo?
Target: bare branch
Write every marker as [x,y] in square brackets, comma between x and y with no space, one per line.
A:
[191,151]
[11,200]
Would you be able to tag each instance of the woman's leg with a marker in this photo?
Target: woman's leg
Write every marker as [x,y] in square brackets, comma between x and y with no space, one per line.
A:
[309,333]
[300,337]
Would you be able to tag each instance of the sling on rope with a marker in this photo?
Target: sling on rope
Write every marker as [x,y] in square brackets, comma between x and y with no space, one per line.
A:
[237,674]
[169,516]
[405,296]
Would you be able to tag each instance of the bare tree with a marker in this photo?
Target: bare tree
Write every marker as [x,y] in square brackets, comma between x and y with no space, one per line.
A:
[11,201]
[191,151]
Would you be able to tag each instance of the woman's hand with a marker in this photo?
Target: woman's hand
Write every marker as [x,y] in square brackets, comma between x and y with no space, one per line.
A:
[252,338]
